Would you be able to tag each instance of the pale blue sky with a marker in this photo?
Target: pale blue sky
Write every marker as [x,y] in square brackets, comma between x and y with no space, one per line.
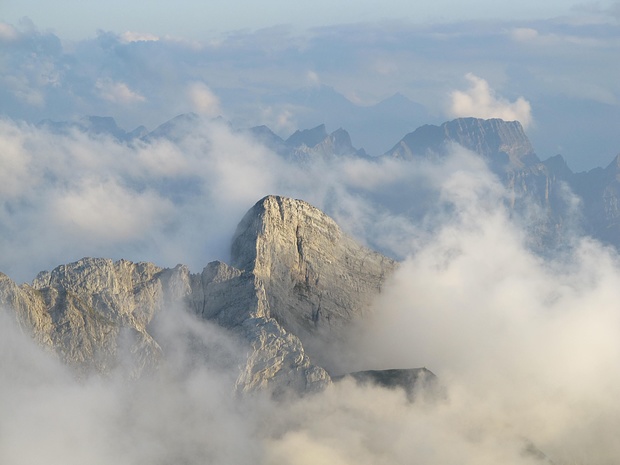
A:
[76,19]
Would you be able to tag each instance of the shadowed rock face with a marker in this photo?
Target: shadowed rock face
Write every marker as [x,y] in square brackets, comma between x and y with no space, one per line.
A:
[538,191]
[501,143]
[296,280]
[410,380]
[308,145]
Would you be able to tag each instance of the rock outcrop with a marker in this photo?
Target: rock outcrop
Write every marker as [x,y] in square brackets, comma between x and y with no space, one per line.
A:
[86,311]
[317,280]
[296,280]
[410,380]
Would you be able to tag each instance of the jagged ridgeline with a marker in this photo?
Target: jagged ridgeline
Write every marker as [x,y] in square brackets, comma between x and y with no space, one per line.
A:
[295,284]
[539,189]
[554,201]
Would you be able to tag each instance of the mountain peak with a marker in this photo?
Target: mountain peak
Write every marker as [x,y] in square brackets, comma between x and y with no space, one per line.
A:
[309,137]
[317,278]
[503,143]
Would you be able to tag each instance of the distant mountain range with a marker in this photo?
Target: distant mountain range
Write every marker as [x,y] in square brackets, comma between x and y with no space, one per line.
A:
[539,189]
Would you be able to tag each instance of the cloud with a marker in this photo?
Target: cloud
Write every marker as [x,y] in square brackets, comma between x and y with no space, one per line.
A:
[15,172]
[186,413]
[202,100]
[24,92]
[109,212]
[117,92]
[280,118]
[7,32]
[249,71]
[525,346]
[313,78]
[158,201]
[481,101]
[523,34]
[130,36]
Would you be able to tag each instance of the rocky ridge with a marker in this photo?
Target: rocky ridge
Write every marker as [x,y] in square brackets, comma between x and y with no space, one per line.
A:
[296,279]
[308,144]
[501,143]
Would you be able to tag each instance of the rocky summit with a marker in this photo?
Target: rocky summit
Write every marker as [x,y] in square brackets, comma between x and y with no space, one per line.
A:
[296,282]
[501,143]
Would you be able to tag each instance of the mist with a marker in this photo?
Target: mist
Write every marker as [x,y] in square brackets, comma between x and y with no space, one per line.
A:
[178,200]
[525,347]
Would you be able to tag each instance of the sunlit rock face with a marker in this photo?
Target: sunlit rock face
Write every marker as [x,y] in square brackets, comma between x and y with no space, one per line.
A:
[86,311]
[317,280]
[296,283]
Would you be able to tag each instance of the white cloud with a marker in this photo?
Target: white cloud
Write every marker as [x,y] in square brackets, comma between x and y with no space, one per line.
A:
[202,100]
[130,36]
[481,101]
[15,172]
[24,91]
[557,40]
[108,212]
[524,34]
[313,78]
[7,32]
[528,348]
[117,92]
[280,118]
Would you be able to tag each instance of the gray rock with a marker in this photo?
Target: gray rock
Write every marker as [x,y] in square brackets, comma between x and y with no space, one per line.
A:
[317,280]
[412,380]
[296,280]
[501,143]
[82,327]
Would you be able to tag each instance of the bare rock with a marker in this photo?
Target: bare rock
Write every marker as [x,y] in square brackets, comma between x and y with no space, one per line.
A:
[296,282]
[317,280]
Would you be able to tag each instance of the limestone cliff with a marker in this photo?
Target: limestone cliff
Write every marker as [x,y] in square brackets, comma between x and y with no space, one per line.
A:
[296,280]
[85,311]
[317,279]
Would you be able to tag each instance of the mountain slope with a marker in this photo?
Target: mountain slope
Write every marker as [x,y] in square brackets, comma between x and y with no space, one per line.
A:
[296,279]
[317,280]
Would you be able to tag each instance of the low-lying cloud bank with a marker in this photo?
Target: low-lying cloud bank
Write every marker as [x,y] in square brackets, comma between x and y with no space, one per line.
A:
[68,194]
[526,348]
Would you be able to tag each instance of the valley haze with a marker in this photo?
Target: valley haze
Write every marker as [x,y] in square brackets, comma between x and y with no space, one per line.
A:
[389,237]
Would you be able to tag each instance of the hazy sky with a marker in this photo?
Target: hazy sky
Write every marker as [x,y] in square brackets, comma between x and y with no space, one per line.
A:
[297,65]
[75,19]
